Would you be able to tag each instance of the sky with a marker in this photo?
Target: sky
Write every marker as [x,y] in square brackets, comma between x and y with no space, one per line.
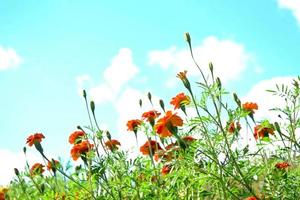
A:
[121,50]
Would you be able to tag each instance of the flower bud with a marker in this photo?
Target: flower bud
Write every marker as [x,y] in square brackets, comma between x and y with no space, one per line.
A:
[236,99]
[92,104]
[187,37]
[84,93]
[140,102]
[219,83]
[108,135]
[149,97]
[162,105]
[211,67]
[16,171]
[24,150]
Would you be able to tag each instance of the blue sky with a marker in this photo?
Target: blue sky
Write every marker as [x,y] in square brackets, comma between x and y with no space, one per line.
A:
[120,50]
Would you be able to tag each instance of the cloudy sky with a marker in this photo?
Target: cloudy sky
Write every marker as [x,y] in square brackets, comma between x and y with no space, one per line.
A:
[120,50]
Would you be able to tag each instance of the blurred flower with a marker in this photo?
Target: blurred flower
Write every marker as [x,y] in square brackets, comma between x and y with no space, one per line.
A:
[81,148]
[188,139]
[233,127]
[169,120]
[180,100]
[76,137]
[37,137]
[112,144]
[150,116]
[251,198]
[261,132]
[132,125]
[37,169]
[165,169]
[282,165]
[52,166]
[249,106]
[164,155]
[150,145]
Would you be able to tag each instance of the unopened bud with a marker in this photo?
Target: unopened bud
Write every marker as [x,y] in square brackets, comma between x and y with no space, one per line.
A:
[219,83]
[84,93]
[108,135]
[211,67]
[149,97]
[187,37]
[162,105]
[277,127]
[24,150]
[140,102]
[236,99]
[92,104]
[16,171]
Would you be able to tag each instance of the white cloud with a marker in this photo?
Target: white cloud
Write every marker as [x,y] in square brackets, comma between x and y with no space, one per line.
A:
[228,57]
[121,70]
[9,58]
[14,160]
[293,6]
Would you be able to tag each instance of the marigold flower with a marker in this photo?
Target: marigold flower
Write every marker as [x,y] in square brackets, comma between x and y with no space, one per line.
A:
[261,132]
[132,125]
[233,127]
[169,120]
[153,145]
[165,169]
[282,165]
[2,196]
[37,137]
[161,154]
[182,75]
[150,115]
[52,166]
[81,148]
[37,169]
[249,106]
[251,198]
[188,139]
[112,144]
[180,100]
[76,137]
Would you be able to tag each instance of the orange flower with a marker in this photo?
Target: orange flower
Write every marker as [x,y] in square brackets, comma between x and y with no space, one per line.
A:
[188,139]
[182,75]
[261,132]
[282,165]
[81,148]
[166,156]
[165,169]
[76,137]
[52,166]
[169,120]
[251,198]
[132,125]
[180,100]
[232,127]
[112,144]
[2,196]
[37,169]
[153,145]
[37,137]
[249,106]
[150,115]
